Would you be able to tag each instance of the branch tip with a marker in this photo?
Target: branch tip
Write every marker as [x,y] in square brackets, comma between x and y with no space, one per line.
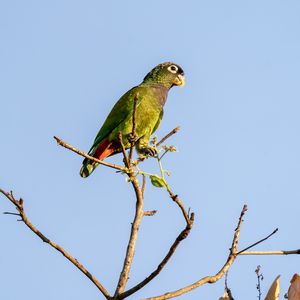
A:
[192,217]
[150,213]
[175,130]
[11,213]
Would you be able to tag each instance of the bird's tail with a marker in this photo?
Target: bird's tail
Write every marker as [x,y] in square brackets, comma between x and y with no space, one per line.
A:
[87,168]
[102,151]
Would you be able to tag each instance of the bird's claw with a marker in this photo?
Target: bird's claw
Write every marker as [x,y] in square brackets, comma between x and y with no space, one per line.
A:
[150,151]
[132,138]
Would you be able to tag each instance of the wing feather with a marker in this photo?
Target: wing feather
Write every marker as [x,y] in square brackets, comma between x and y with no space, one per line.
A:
[121,111]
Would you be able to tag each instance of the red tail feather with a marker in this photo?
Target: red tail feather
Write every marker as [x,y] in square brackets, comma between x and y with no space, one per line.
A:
[104,150]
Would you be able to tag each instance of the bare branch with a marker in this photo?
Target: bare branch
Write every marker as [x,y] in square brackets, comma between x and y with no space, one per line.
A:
[139,213]
[210,279]
[126,161]
[168,135]
[150,213]
[101,162]
[274,252]
[258,242]
[19,206]
[179,203]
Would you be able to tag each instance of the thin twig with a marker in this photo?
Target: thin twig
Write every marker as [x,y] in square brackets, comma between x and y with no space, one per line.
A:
[150,213]
[274,252]
[133,134]
[258,242]
[168,135]
[179,203]
[226,283]
[260,277]
[19,206]
[144,185]
[126,161]
[210,279]
[10,213]
[68,146]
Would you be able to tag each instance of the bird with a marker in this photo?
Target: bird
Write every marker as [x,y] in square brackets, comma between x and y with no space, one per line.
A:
[151,96]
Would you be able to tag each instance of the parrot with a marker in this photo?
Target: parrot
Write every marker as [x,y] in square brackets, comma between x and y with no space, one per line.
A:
[151,96]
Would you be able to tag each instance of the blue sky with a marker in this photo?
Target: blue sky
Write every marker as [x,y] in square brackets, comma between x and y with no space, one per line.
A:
[63,66]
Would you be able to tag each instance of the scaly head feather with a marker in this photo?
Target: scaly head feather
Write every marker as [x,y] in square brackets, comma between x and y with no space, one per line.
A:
[167,74]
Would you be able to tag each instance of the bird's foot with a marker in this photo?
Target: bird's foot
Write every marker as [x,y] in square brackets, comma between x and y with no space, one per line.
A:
[132,138]
[148,151]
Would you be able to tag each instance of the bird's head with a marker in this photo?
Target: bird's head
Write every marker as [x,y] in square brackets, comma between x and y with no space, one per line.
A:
[167,74]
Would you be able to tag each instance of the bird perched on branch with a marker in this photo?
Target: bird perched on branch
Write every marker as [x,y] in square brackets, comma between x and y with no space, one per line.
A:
[150,96]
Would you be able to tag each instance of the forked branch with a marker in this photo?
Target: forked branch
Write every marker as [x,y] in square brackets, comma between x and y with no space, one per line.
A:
[258,242]
[182,235]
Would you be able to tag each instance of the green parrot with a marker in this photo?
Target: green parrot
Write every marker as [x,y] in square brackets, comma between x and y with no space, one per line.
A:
[151,96]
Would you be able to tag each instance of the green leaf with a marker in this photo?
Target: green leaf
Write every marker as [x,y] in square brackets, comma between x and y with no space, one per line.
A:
[157,181]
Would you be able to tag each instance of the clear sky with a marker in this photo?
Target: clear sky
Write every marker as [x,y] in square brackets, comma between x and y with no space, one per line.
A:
[63,64]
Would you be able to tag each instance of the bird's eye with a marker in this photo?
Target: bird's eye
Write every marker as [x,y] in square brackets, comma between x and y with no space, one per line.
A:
[173,69]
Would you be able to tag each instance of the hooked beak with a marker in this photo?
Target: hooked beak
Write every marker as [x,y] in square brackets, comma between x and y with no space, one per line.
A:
[180,80]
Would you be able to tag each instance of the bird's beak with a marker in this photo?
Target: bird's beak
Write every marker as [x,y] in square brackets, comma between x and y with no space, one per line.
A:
[180,80]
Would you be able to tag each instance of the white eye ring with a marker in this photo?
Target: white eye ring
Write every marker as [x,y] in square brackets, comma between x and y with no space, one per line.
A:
[173,69]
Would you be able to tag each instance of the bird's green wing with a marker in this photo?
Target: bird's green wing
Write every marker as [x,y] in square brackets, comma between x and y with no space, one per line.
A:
[121,110]
[158,121]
